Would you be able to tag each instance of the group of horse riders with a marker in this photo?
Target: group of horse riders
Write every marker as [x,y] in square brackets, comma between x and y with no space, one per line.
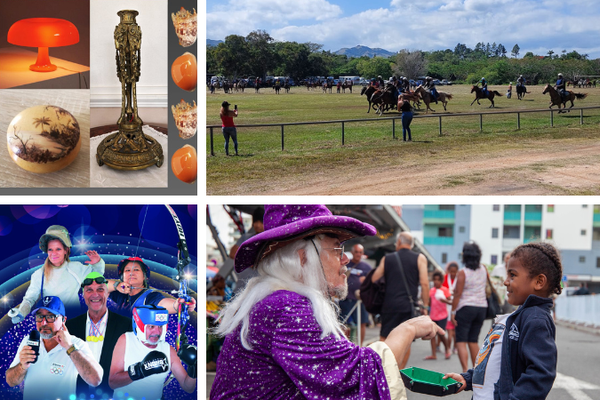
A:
[397,86]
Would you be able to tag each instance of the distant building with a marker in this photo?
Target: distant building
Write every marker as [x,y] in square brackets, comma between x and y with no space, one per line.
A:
[574,229]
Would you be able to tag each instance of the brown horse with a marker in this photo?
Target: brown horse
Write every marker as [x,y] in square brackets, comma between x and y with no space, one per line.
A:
[384,99]
[426,96]
[410,96]
[556,100]
[346,85]
[480,95]
[368,91]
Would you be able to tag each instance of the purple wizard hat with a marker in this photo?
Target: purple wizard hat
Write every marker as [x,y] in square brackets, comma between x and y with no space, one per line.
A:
[287,223]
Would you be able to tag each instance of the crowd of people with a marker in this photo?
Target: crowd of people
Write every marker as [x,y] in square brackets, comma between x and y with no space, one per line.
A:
[92,351]
[284,333]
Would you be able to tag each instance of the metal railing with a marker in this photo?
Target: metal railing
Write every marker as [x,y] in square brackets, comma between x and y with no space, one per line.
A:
[393,121]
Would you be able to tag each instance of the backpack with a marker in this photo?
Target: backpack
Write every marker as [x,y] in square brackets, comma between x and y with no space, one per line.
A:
[372,294]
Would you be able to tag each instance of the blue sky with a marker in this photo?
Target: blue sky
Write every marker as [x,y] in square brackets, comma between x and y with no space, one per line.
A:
[535,25]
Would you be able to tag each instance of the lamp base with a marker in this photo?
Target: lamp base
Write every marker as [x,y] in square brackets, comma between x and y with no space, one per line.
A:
[129,149]
[43,68]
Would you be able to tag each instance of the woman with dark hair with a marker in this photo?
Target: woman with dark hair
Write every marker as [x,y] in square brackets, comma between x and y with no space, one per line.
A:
[469,304]
[228,127]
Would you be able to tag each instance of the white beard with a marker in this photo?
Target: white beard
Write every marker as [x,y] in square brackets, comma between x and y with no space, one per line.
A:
[341,292]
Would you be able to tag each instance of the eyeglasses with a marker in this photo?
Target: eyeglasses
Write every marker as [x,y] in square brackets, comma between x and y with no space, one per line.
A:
[339,251]
[88,281]
[50,318]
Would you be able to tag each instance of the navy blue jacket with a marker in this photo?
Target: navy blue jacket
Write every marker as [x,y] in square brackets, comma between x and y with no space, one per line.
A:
[529,355]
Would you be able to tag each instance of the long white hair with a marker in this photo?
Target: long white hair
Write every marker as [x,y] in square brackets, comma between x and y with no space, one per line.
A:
[282,270]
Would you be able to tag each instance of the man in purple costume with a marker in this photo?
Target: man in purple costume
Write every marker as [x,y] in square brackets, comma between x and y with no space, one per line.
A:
[283,337]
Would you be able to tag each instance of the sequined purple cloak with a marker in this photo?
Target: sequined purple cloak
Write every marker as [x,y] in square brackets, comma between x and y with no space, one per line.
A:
[289,360]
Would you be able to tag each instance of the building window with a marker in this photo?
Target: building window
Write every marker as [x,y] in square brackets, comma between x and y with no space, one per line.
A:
[444,232]
[496,207]
[584,206]
[444,258]
[494,259]
[581,259]
[447,207]
[548,233]
[583,232]
[550,208]
[494,233]
[461,229]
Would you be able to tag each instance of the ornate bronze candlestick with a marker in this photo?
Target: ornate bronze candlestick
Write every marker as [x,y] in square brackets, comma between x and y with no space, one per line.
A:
[129,148]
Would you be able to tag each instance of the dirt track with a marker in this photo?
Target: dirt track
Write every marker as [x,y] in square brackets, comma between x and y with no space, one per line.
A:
[572,169]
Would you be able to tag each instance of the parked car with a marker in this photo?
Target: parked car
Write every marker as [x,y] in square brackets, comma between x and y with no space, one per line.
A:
[446,82]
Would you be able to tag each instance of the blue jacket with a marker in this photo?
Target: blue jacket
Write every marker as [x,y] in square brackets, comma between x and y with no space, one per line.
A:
[529,355]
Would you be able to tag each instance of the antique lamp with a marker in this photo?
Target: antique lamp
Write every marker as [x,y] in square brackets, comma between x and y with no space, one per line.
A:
[43,33]
[129,148]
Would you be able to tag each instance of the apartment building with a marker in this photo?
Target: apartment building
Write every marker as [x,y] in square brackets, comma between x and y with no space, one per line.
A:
[574,229]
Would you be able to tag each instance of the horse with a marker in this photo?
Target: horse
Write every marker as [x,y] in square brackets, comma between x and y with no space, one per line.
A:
[384,99]
[426,96]
[347,85]
[286,86]
[410,96]
[521,90]
[368,92]
[277,87]
[480,95]
[556,100]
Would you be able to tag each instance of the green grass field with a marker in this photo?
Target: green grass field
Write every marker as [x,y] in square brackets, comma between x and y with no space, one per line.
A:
[262,165]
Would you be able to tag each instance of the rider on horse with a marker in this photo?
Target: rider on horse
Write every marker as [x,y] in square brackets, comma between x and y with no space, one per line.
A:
[392,87]
[520,81]
[484,88]
[561,86]
[430,85]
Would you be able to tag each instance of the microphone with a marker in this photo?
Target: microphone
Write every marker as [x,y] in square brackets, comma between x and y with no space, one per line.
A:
[34,342]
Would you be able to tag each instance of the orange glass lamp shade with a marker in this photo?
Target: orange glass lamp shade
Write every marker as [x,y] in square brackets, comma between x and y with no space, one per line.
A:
[184,71]
[184,164]
[43,33]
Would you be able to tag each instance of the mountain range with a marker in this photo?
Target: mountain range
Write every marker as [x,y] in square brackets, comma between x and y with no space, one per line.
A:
[356,51]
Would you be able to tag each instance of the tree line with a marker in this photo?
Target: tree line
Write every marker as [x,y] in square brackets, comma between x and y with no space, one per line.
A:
[258,54]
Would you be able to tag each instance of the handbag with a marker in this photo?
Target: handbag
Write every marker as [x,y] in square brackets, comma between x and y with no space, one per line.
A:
[372,293]
[415,309]
[493,307]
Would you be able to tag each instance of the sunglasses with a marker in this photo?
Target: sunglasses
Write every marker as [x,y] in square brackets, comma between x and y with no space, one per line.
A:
[88,281]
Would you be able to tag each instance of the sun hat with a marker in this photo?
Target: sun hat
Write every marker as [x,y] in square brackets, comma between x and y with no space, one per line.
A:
[287,223]
[55,232]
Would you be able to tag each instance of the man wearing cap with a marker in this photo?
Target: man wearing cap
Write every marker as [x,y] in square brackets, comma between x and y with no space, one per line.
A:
[283,337]
[100,328]
[142,359]
[62,357]
[59,276]
[133,289]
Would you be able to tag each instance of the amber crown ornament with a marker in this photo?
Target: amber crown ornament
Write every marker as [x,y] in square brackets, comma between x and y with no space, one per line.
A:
[129,148]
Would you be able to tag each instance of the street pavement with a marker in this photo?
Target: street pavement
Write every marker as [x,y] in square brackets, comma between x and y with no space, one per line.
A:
[578,364]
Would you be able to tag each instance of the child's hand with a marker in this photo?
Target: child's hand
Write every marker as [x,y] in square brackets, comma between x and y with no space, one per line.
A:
[459,378]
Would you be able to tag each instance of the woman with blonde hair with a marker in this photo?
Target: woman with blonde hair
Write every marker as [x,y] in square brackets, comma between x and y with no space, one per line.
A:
[59,276]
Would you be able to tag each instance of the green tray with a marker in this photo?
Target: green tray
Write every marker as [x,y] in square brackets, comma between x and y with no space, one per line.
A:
[421,380]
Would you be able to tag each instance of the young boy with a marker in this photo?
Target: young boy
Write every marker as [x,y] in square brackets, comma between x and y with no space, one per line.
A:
[518,357]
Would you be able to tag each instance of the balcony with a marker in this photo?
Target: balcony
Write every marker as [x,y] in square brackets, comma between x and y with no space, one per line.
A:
[596,219]
[512,218]
[438,217]
[510,244]
[439,241]
[532,239]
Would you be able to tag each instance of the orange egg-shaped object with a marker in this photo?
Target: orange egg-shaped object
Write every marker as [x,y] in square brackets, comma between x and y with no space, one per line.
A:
[184,164]
[184,71]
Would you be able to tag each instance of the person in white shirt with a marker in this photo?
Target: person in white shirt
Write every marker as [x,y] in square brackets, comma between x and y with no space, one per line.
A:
[142,359]
[59,276]
[53,373]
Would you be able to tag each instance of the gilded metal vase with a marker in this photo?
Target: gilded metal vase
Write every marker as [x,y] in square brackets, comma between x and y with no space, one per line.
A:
[129,148]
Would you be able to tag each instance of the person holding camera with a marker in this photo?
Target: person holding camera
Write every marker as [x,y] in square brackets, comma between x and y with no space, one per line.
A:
[228,126]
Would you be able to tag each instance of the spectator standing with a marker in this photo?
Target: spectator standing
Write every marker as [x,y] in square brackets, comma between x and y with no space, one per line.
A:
[469,304]
[228,126]
[407,117]
[450,283]
[396,304]
[358,270]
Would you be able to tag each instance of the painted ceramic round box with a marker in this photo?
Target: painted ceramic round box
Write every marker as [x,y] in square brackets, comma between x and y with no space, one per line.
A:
[43,139]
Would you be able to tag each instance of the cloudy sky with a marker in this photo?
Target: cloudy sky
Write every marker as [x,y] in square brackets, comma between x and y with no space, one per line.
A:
[535,25]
